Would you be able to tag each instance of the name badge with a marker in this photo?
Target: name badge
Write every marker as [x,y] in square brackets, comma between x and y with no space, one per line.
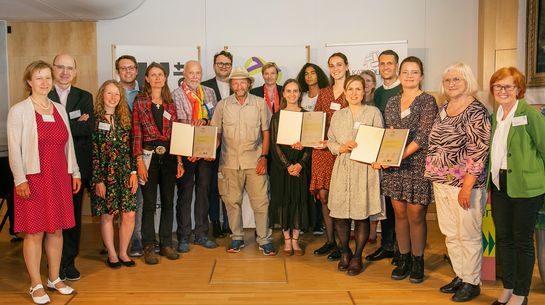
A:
[104,126]
[406,113]
[443,114]
[519,120]
[209,105]
[357,125]
[166,115]
[48,118]
[75,114]
[335,106]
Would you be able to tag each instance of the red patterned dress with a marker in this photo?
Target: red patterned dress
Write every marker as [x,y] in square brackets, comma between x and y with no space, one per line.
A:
[49,207]
[322,159]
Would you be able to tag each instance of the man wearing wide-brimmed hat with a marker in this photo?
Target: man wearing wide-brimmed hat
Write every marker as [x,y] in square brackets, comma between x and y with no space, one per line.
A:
[243,129]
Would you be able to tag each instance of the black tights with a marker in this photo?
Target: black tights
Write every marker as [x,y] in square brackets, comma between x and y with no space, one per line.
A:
[328,220]
[411,228]
[361,234]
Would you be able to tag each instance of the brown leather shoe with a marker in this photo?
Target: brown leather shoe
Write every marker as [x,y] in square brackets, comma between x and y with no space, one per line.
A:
[150,257]
[169,252]
[345,260]
[355,267]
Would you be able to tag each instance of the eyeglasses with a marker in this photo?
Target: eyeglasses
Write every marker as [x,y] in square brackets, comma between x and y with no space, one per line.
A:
[127,69]
[455,81]
[66,68]
[507,88]
[224,64]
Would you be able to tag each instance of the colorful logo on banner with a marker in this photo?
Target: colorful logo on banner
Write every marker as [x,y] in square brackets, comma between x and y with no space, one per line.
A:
[489,245]
[254,64]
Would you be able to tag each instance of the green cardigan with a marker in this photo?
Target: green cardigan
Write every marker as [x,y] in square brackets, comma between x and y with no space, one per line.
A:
[525,153]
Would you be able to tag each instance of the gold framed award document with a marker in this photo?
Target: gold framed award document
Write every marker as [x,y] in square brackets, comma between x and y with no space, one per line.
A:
[193,141]
[305,127]
[381,145]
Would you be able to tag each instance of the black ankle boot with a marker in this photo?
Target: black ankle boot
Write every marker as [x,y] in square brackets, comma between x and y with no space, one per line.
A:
[403,268]
[417,269]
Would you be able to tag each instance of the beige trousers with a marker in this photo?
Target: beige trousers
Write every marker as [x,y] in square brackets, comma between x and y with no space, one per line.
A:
[231,184]
[462,229]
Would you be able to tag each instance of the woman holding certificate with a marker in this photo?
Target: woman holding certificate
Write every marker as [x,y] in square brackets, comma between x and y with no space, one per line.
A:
[355,187]
[330,99]
[291,202]
[517,181]
[456,163]
[153,114]
[114,171]
[411,193]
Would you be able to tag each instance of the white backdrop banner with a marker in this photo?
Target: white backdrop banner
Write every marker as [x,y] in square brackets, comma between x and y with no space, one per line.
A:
[288,58]
[363,55]
[171,57]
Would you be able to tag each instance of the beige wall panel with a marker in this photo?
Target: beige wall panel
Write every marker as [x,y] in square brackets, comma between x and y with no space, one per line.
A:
[31,41]
[507,22]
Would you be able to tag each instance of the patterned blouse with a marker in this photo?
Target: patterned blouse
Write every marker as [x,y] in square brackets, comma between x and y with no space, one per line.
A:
[459,145]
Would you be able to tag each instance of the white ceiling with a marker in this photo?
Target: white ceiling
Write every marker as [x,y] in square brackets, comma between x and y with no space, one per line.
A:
[57,10]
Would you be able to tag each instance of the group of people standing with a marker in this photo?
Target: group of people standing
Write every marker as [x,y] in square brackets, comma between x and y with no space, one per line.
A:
[61,142]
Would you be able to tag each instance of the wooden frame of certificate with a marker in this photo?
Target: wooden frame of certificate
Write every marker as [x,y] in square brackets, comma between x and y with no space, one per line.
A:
[305,127]
[384,146]
[193,141]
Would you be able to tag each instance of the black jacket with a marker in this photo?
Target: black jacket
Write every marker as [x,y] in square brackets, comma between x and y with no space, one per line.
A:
[79,99]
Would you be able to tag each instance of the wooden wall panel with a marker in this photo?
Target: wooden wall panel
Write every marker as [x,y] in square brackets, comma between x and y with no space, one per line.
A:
[30,41]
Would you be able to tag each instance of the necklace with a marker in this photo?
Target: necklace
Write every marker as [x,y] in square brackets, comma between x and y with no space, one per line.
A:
[37,104]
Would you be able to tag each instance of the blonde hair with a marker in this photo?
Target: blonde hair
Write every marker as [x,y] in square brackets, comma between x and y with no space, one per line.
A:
[121,110]
[466,74]
[33,67]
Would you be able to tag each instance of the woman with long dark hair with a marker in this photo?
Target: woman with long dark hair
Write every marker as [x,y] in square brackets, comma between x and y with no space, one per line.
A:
[291,202]
[330,99]
[153,114]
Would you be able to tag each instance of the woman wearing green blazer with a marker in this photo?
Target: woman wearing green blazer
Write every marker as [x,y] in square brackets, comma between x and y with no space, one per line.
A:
[517,179]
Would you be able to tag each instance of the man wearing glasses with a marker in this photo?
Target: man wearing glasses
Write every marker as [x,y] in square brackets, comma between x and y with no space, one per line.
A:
[223,63]
[127,69]
[79,106]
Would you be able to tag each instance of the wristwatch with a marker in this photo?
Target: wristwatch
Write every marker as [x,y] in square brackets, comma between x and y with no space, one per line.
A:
[264,156]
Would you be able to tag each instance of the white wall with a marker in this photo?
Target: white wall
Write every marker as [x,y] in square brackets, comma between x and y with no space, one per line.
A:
[4,88]
[439,31]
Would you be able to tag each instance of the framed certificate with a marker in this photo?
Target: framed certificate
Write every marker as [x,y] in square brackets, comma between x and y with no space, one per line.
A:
[193,141]
[305,127]
[381,145]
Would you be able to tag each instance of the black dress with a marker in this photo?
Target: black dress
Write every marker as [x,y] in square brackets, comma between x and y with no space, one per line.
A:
[291,202]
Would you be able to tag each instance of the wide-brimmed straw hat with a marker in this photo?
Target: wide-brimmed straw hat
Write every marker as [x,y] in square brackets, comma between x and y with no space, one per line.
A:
[240,73]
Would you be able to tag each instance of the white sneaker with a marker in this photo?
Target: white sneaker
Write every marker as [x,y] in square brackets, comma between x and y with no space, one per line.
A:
[63,290]
[44,299]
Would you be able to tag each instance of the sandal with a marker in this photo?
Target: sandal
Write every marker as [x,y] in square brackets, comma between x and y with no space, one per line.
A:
[44,299]
[51,285]
[297,252]
[290,251]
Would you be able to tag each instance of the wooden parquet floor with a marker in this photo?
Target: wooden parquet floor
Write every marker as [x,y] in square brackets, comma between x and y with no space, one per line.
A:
[212,276]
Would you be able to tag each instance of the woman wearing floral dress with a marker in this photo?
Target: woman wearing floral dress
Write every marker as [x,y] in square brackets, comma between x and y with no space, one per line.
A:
[411,193]
[114,171]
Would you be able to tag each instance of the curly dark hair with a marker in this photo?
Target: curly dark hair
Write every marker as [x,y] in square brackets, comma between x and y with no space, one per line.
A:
[323,81]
